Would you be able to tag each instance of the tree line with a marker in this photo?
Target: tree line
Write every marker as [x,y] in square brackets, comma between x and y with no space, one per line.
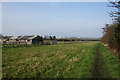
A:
[111,32]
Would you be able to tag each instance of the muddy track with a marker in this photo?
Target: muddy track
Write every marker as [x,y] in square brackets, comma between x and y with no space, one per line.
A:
[99,65]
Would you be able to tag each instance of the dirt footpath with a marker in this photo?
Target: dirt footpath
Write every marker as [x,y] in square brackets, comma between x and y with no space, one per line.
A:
[99,65]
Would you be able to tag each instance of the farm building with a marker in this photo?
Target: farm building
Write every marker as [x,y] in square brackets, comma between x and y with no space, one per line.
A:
[23,40]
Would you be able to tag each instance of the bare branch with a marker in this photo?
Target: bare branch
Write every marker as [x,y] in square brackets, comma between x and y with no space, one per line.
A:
[115,14]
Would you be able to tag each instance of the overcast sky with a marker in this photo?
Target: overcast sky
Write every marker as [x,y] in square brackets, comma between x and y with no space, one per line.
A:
[62,19]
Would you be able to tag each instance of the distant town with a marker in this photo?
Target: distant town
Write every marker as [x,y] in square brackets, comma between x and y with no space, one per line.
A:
[37,39]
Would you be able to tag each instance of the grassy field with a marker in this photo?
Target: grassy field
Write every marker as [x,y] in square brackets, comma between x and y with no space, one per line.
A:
[76,60]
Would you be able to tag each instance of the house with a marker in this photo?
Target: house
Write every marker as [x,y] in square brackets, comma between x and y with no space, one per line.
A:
[6,39]
[23,39]
[30,40]
[12,40]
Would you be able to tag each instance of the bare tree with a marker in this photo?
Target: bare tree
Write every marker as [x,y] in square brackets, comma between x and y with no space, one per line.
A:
[116,13]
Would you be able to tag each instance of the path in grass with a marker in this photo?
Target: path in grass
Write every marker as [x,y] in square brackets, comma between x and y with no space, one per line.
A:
[96,66]
[101,66]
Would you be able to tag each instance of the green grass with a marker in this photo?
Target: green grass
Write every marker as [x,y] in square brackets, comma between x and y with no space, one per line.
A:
[53,61]
[111,63]
[108,63]
[28,45]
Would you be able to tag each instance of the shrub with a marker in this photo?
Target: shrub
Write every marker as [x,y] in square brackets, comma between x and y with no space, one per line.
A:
[112,37]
